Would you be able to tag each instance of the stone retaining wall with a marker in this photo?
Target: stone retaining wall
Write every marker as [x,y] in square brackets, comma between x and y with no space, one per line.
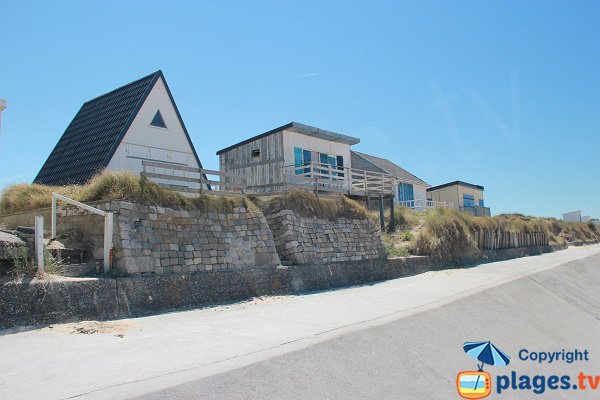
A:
[301,240]
[160,240]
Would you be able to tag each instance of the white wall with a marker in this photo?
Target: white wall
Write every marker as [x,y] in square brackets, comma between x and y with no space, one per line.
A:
[293,139]
[419,193]
[145,142]
[574,216]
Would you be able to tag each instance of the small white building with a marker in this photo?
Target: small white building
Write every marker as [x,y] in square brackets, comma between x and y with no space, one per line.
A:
[267,160]
[572,216]
[120,130]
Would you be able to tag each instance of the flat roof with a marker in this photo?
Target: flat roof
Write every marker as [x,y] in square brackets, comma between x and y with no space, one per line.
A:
[455,183]
[302,129]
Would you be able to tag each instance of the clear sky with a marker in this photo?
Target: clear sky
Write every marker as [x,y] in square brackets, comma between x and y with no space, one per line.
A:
[501,94]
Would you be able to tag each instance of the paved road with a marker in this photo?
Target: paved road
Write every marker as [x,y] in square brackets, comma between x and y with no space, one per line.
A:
[398,339]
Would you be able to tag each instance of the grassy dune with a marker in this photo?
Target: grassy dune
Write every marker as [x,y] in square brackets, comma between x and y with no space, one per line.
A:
[111,186]
[449,234]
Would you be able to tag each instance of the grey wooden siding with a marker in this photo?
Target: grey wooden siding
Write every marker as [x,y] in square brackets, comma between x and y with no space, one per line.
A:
[264,170]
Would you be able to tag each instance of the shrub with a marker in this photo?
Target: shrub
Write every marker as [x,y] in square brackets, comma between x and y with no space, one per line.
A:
[445,235]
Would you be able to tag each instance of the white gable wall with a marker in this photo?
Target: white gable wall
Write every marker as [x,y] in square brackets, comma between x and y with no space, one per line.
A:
[146,142]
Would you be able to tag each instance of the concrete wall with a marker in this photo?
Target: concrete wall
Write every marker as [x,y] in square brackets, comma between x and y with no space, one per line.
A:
[33,303]
[302,240]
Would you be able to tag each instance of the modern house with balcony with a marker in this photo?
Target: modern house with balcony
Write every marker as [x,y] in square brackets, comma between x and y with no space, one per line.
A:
[298,155]
[409,190]
[463,196]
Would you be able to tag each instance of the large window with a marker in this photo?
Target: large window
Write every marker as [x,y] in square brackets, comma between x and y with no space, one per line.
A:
[468,200]
[405,192]
[304,157]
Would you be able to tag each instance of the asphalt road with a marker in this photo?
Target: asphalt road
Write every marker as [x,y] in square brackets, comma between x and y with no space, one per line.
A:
[399,339]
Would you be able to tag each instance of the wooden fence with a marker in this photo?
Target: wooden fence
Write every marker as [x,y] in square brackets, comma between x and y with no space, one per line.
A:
[496,240]
[186,179]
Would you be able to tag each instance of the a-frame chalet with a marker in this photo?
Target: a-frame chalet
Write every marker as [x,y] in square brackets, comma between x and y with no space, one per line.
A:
[118,131]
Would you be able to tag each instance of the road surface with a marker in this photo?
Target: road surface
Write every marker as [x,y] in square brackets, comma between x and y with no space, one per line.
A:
[399,339]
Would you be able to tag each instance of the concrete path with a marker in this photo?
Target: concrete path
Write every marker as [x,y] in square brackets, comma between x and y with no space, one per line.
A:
[395,339]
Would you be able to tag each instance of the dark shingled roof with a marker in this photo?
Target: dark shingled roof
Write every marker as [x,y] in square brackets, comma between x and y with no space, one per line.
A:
[93,136]
[389,167]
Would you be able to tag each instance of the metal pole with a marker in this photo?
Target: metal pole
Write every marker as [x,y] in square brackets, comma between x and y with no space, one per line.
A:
[39,242]
[108,240]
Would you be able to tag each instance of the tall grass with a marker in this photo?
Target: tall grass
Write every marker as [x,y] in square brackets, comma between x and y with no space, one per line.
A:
[446,234]
[113,186]
[308,204]
[449,234]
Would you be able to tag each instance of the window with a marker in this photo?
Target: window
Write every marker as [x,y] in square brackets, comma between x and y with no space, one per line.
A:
[256,153]
[305,157]
[481,203]
[298,160]
[158,120]
[468,200]
[340,164]
[405,192]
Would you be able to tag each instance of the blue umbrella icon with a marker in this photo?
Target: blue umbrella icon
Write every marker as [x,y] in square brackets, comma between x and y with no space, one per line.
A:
[487,353]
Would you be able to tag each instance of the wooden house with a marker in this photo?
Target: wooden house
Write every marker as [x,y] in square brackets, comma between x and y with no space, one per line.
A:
[286,154]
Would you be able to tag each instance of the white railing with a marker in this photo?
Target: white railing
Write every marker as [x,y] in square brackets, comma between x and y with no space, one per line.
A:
[421,205]
[328,178]
[108,224]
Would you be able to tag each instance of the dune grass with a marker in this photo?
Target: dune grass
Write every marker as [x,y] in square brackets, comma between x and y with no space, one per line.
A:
[113,186]
[307,204]
[449,234]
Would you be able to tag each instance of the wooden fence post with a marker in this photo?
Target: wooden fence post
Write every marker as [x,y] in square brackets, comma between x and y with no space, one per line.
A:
[39,242]
[381,213]
[392,226]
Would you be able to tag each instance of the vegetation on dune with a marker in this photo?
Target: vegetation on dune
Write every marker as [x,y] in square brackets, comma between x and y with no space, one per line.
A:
[449,234]
[113,186]
[309,205]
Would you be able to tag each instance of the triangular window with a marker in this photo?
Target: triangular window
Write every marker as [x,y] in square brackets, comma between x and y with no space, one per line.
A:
[158,120]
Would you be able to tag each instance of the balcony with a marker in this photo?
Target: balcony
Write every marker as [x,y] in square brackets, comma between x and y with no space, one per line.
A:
[422,205]
[326,178]
[476,211]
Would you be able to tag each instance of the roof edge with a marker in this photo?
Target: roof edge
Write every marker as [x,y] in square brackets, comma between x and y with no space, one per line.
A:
[158,72]
[456,183]
[297,125]
[253,138]
[132,116]
[362,155]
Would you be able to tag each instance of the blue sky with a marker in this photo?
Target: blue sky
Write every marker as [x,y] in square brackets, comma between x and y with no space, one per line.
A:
[502,94]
